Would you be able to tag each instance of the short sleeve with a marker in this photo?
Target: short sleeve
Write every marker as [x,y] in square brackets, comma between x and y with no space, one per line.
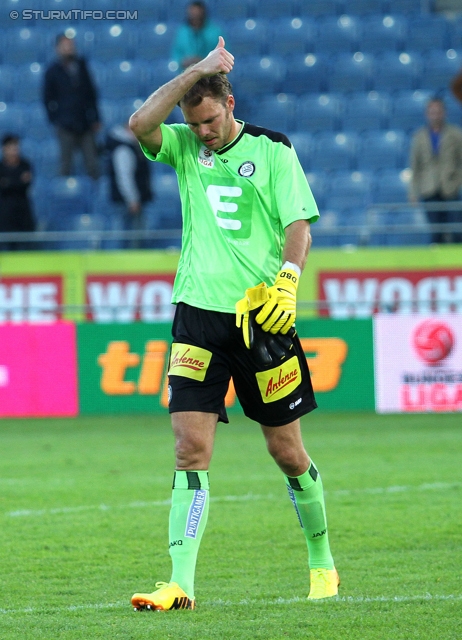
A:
[171,145]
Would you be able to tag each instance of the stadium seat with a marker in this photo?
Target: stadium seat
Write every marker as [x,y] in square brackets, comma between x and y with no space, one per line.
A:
[155,75]
[276,112]
[320,8]
[365,110]
[302,141]
[350,72]
[428,31]
[31,85]
[306,73]
[24,45]
[273,9]
[383,150]
[453,107]
[325,232]
[225,11]
[439,68]
[383,33]
[37,126]
[12,118]
[69,196]
[398,71]
[408,110]
[364,7]
[319,185]
[256,75]
[122,79]
[248,37]
[391,185]
[338,34]
[334,151]
[7,84]
[405,7]
[349,190]
[318,112]
[155,40]
[288,36]
[113,42]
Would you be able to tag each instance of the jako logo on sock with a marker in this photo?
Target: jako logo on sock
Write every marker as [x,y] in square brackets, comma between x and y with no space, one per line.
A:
[195,513]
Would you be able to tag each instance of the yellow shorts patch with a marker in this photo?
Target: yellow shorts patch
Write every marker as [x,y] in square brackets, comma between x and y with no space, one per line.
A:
[188,361]
[280,381]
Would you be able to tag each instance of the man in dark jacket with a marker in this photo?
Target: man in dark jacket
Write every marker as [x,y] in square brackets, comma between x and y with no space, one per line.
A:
[71,103]
[15,178]
[130,177]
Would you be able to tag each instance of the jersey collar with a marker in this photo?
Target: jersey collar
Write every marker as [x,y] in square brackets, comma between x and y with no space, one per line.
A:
[231,144]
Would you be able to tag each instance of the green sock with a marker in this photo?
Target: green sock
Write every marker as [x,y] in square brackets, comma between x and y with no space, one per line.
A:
[188,517]
[307,495]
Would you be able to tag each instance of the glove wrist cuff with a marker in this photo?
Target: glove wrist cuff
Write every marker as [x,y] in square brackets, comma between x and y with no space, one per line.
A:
[293,266]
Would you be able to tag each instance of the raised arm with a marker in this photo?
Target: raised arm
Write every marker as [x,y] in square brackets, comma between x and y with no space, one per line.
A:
[145,123]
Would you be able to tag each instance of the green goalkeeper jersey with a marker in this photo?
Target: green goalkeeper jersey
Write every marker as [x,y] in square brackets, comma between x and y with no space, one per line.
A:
[236,203]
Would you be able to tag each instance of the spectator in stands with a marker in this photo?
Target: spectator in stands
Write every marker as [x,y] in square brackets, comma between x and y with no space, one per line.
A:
[436,163]
[196,37]
[129,173]
[71,104]
[15,179]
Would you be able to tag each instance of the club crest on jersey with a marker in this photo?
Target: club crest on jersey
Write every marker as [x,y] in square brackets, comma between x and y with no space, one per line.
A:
[246,169]
[206,157]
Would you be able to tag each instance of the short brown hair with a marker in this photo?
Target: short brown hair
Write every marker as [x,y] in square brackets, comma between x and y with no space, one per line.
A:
[217,86]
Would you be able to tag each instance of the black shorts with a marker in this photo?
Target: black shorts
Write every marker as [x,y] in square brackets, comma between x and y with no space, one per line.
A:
[208,349]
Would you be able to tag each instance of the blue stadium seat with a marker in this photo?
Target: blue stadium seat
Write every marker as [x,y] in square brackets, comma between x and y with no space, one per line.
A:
[37,126]
[391,185]
[122,80]
[397,71]
[325,231]
[428,31]
[46,156]
[273,9]
[248,37]
[453,107]
[383,150]
[148,10]
[384,33]
[25,45]
[366,110]
[365,7]
[113,42]
[306,73]
[349,190]
[320,8]
[302,141]
[439,68]
[29,89]
[406,7]
[70,196]
[256,75]
[334,151]
[319,185]
[318,112]
[276,112]
[153,76]
[290,36]
[337,34]
[408,110]
[155,40]
[7,83]
[350,72]
[225,11]
[12,118]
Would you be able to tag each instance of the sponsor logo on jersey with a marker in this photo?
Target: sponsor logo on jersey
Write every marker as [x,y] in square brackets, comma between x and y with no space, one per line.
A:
[246,169]
[279,382]
[195,513]
[206,157]
[189,361]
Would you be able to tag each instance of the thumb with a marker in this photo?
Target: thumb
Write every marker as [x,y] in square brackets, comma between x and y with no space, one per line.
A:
[221,43]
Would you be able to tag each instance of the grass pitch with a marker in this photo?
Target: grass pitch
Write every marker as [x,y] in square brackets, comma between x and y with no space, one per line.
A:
[84,507]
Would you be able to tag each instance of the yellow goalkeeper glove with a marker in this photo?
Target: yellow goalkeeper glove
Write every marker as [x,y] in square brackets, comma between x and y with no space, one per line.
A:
[254,299]
[278,313]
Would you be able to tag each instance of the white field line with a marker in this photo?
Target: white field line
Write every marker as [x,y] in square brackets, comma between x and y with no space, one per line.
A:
[426,597]
[436,486]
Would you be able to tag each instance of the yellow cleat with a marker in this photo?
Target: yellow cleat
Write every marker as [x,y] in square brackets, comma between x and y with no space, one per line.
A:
[167,597]
[324,583]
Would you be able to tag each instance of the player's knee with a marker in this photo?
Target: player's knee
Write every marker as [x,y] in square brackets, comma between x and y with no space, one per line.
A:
[191,454]
[293,461]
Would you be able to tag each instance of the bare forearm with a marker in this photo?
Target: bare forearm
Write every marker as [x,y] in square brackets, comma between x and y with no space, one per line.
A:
[298,243]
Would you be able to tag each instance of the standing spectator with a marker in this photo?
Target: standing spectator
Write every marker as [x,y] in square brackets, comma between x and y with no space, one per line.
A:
[130,177]
[15,179]
[71,103]
[436,163]
[196,37]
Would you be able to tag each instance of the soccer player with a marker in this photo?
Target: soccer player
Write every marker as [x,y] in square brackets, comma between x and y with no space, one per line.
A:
[247,210]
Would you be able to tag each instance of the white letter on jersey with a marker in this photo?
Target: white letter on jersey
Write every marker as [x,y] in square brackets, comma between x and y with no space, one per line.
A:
[214,194]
